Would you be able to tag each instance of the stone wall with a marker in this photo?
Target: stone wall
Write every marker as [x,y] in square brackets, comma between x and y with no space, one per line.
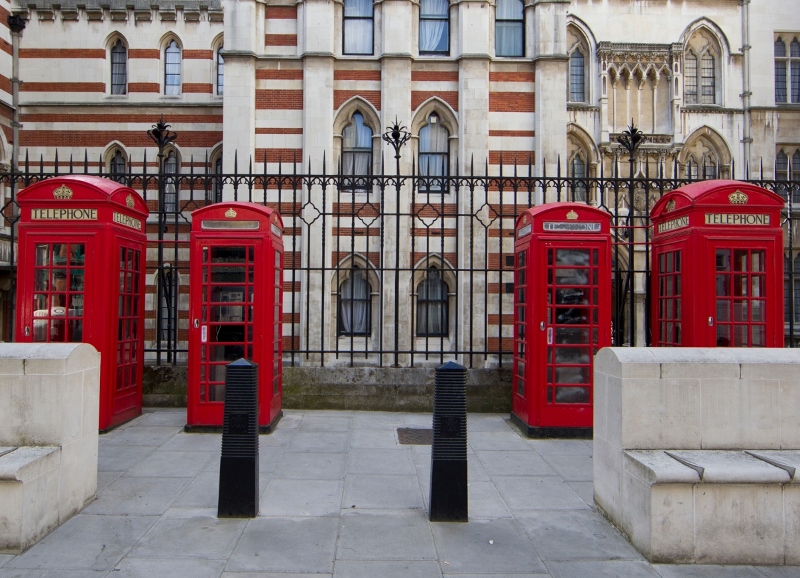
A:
[359,388]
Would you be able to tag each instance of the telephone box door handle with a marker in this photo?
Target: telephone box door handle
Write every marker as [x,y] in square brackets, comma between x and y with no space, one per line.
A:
[196,323]
[711,322]
[541,325]
[27,331]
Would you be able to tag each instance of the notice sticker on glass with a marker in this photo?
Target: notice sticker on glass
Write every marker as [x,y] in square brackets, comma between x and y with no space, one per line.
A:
[204,334]
[549,336]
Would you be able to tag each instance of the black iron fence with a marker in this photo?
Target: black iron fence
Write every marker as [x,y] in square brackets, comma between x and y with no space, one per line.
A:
[397,270]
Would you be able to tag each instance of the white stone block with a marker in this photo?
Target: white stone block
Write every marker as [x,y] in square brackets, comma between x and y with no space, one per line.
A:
[741,414]
[791,504]
[660,413]
[739,524]
[607,477]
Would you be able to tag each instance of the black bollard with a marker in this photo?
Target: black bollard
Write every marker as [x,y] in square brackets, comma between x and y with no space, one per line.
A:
[238,466]
[449,451]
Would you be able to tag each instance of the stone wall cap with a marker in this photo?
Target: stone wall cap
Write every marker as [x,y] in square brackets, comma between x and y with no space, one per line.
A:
[788,460]
[125,4]
[41,350]
[27,462]
[732,467]
[658,468]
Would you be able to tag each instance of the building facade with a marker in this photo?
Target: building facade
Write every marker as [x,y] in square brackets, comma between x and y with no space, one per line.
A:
[530,87]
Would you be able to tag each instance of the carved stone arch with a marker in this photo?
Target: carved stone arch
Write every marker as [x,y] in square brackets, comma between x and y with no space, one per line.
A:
[344,269]
[112,38]
[711,27]
[584,29]
[583,141]
[5,150]
[435,260]
[167,38]
[355,104]
[447,115]
[217,41]
[111,150]
[342,273]
[703,142]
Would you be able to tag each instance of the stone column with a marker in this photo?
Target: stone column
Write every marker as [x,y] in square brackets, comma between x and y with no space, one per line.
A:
[244,39]
[475,37]
[316,19]
[550,54]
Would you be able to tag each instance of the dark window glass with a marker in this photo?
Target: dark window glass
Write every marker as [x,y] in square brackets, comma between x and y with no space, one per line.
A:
[119,68]
[355,304]
[577,91]
[432,299]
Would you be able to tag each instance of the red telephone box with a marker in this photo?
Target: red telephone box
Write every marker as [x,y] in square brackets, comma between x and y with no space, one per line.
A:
[235,307]
[717,267]
[81,271]
[562,315]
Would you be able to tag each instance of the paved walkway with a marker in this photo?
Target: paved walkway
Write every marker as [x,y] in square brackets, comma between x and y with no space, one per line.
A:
[341,498]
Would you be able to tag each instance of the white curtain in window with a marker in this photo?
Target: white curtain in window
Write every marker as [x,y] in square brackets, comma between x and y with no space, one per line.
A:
[170,189]
[433,149]
[509,35]
[357,147]
[431,32]
[358,27]
[432,300]
[354,304]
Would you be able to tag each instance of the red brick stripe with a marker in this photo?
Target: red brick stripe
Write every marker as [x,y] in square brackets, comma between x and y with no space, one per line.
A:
[281,13]
[512,157]
[174,119]
[279,131]
[357,75]
[61,138]
[280,39]
[434,76]
[279,99]
[62,53]
[342,96]
[512,76]
[285,74]
[511,102]
[144,53]
[513,133]
[5,84]
[196,87]
[279,155]
[143,87]
[63,87]
[420,96]
[5,46]
[198,54]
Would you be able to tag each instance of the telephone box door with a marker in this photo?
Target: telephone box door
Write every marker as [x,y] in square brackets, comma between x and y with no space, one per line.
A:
[573,323]
[55,310]
[740,314]
[226,322]
[126,401]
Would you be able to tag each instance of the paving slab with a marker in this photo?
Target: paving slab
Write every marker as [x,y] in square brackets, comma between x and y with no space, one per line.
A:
[485,546]
[483,501]
[598,569]
[299,545]
[514,463]
[293,498]
[319,441]
[374,438]
[40,573]
[571,467]
[538,493]
[779,571]
[494,440]
[585,490]
[138,496]
[379,421]
[382,492]
[173,567]
[85,542]
[118,458]
[560,447]
[575,535]
[195,537]
[399,461]
[707,571]
[170,417]
[172,464]
[386,569]
[311,465]
[194,442]
[393,535]
[140,436]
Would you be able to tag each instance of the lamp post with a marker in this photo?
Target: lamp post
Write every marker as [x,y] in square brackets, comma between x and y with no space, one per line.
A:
[396,135]
[631,140]
[162,136]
